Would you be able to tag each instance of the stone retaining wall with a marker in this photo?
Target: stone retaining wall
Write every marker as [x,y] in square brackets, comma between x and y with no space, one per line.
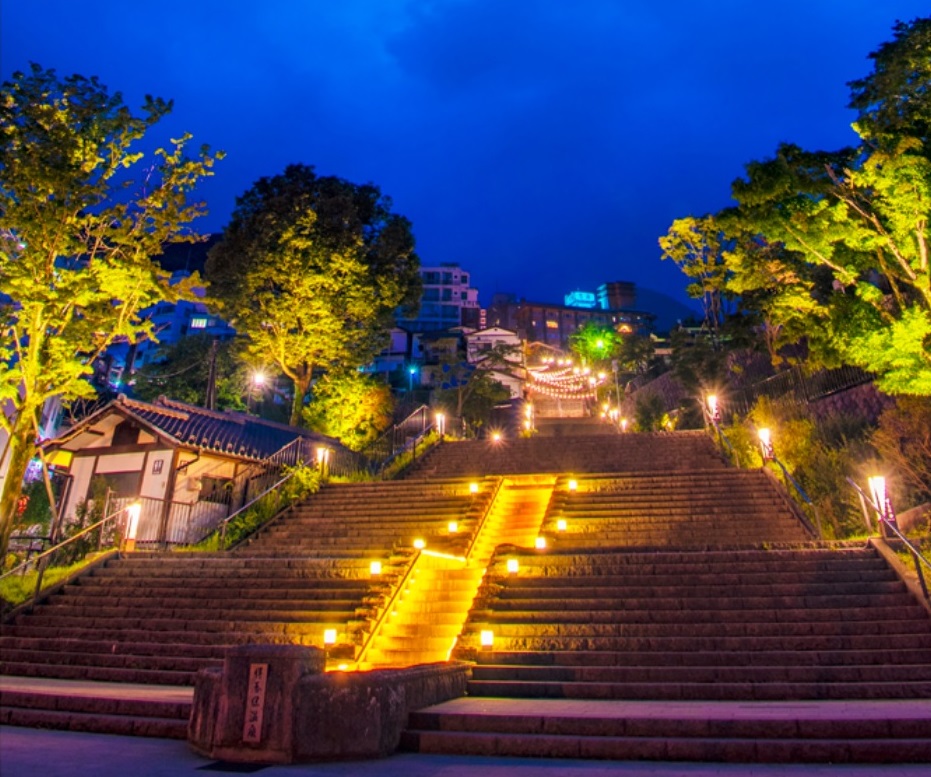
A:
[305,714]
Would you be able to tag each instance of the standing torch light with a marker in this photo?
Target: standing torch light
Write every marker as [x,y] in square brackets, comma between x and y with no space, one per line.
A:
[714,409]
[473,488]
[329,639]
[323,460]
[487,638]
[561,525]
[766,445]
[375,568]
[513,566]
[453,527]
[440,424]
[881,500]
[133,512]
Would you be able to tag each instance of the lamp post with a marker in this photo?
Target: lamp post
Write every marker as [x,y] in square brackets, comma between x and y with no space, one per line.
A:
[411,372]
[256,384]
[884,511]
[766,445]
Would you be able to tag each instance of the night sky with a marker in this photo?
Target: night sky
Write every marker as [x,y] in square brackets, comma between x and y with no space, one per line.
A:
[545,145]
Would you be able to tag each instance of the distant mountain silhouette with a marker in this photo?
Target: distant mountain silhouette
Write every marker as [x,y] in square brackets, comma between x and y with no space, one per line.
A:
[668,310]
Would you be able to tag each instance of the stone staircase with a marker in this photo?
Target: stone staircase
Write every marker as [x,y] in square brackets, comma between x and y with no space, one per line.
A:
[750,625]
[429,613]
[633,452]
[712,508]
[157,618]
[688,615]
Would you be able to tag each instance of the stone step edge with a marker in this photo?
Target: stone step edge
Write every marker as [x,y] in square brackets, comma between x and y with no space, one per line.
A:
[163,728]
[671,748]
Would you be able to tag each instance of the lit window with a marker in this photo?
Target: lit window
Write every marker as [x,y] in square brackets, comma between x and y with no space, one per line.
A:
[199,323]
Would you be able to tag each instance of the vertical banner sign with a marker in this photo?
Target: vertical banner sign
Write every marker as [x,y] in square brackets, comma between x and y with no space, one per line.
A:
[255,703]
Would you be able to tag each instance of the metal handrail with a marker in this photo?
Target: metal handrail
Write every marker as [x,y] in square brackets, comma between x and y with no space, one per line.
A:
[801,492]
[481,521]
[884,523]
[36,559]
[221,527]
[380,620]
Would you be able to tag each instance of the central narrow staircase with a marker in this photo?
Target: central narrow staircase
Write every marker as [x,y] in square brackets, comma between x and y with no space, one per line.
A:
[428,614]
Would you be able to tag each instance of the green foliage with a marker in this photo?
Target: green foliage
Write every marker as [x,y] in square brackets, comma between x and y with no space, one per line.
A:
[894,99]
[17,588]
[649,412]
[81,216]
[303,482]
[474,399]
[595,344]
[820,457]
[903,440]
[37,507]
[86,514]
[350,406]
[696,246]
[403,460]
[312,269]
[832,248]
[181,371]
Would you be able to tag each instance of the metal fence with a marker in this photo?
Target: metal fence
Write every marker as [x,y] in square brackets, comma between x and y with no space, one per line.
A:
[798,386]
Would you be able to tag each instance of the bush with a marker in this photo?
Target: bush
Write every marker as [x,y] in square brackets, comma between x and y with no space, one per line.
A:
[303,482]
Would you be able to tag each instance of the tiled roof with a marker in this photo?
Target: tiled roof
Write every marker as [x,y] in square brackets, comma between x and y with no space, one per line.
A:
[235,434]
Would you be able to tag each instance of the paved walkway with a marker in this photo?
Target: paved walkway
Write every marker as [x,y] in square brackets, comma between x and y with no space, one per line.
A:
[31,753]
[28,752]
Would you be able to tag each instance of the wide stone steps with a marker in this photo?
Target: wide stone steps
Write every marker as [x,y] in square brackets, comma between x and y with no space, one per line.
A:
[97,673]
[287,634]
[151,661]
[497,659]
[764,689]
[756,673]
[202,611]
[579,454]
[815,643]
[808,732]
[699,613]
[99,711]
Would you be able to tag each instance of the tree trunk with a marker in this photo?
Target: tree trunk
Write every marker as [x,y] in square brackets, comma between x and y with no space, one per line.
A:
[301,387]
[21,451]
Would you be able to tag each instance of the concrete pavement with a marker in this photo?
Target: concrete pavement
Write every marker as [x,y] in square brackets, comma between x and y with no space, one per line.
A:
[34,753]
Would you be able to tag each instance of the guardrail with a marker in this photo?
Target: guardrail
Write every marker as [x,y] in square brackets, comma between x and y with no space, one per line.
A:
[481,521]
[43,560]
[886,527]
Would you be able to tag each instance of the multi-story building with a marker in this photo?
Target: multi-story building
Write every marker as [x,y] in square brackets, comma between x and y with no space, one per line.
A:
[553,324]
[448,300]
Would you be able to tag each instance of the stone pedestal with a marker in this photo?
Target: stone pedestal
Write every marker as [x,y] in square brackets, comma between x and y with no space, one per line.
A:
[274,704]
[245,712]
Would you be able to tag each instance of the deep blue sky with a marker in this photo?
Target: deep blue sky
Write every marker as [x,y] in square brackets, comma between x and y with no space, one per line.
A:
[545,145]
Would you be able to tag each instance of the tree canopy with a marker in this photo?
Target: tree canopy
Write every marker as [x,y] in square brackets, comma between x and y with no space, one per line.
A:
[831,248]
[312,269]
[82,211]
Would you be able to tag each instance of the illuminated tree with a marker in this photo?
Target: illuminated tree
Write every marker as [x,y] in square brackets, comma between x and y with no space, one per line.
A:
[595,344]
[350,406]
[182,371]
[312,269]
[833,247]
[695,245]
[81,215]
